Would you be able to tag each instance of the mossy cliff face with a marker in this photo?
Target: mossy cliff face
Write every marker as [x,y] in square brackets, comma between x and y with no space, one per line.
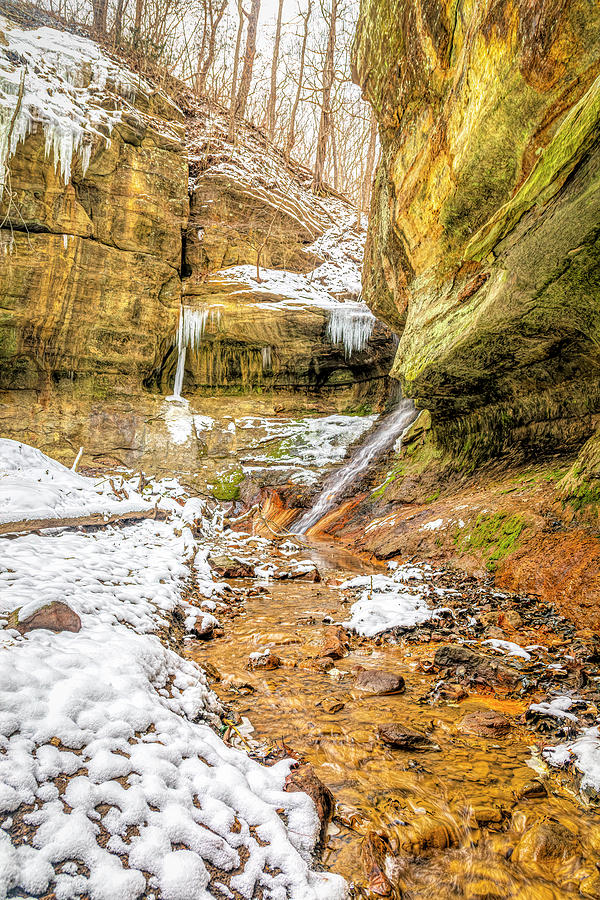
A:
[484,246]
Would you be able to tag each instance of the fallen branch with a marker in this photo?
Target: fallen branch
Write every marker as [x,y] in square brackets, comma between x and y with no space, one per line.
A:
[29,525]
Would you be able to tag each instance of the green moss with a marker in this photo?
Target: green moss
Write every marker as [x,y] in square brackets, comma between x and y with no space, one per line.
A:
[584,493]
[361,409]
[576,135]
[433,496]
[227,485]
[496,535]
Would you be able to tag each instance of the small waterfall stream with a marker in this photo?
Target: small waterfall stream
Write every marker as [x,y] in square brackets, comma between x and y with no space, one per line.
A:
[383,437]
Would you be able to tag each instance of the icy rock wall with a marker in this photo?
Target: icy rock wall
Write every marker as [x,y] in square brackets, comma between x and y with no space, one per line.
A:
[94,176]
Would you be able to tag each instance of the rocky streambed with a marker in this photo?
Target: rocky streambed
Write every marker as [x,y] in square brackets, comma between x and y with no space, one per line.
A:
[427,748]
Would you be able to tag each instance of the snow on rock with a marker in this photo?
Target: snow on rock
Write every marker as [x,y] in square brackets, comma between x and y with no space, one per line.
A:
[334,285]
[556,708]
[508,647]
[111,769]
[389,601]
[66,81]
[35,487]
[306,445]
[583,754]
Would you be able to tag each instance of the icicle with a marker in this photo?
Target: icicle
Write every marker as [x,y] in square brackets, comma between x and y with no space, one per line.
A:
[350,324]
[190,331]
[267,356]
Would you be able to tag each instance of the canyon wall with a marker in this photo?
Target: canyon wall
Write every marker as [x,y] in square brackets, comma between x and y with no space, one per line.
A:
[483,251]
[120,205]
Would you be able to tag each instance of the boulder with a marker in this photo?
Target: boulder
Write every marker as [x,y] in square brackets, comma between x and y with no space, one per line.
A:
[267,660]
[473,667]
[56,616]
[303,778]
[402,738]
[230,567]
[335,644]
[485,723]
[546,841]
[377,681]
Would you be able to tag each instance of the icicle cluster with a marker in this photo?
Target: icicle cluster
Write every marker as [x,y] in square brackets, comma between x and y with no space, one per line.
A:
[192,325]
[350,324]
[61,78]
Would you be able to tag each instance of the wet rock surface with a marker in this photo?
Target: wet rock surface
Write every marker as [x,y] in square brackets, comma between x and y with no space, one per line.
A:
[485,723]
[304,778]
[377,681]
[403,738]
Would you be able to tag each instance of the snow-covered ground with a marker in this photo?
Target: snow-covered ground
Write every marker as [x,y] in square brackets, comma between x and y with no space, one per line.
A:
[34,487]
[114,782]
[299,448]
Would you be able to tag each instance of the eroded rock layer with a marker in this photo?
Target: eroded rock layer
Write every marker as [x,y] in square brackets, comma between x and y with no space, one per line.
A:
[483,250]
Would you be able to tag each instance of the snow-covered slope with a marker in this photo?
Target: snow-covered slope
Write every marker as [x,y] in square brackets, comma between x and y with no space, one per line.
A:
[59,82]
[34,487]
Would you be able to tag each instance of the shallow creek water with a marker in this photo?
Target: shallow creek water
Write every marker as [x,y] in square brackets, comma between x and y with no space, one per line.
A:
[452,817]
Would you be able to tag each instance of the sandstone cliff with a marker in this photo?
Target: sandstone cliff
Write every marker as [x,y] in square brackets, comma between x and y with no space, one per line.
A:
[483,249]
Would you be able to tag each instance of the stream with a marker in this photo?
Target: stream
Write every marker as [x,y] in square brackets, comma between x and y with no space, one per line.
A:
[474,816]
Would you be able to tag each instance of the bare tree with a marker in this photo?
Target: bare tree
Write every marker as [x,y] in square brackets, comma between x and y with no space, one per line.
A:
[236,65]
[137,24]
[99,12]
[291,135]
[249,54]
[212,20]
[273,91]
[118,27]
[325,121]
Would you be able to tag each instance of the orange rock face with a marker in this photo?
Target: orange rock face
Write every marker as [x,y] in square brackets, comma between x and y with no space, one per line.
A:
[563,569]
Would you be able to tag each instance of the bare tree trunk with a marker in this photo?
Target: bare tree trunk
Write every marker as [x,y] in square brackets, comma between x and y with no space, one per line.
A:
[291,136]
[120,9]
[212,46]
[100,10]
[273,92]
[249,54]
[334,157]
[370,165]
[137,25]
[325,122]
[236,65]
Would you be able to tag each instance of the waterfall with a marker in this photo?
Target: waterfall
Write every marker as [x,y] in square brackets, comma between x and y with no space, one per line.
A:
[383,437]
[350,324]
[190,331]
[179,373]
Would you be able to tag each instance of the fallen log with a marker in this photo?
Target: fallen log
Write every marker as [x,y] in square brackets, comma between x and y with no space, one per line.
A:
[29,525]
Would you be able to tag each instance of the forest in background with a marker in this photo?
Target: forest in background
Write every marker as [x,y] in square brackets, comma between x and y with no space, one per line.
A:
[281,65]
